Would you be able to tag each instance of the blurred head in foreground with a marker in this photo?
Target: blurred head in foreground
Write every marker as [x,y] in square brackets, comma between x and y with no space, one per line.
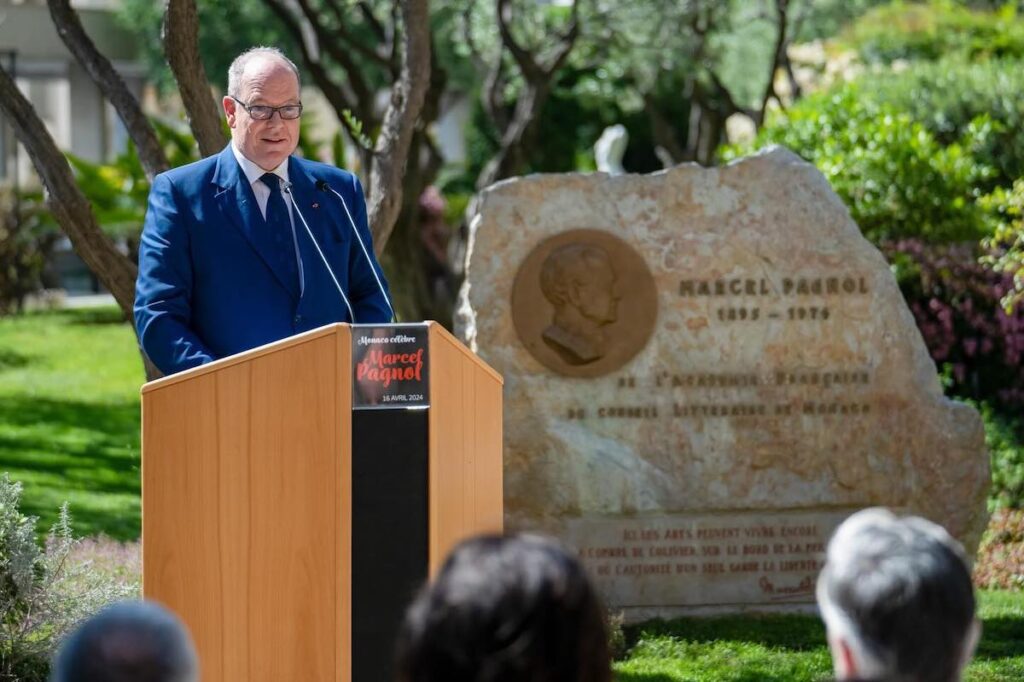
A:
[128,642]
[897,600]
[506,609]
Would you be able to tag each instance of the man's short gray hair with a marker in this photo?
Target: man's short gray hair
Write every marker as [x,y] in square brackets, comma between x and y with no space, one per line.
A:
[898,591]
[237,68]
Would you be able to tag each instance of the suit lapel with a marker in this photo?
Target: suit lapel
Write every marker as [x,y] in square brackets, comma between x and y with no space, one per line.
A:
[237,202]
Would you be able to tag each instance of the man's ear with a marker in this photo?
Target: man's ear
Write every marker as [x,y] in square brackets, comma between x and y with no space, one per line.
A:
[843,660]
[230,110]
[970,642]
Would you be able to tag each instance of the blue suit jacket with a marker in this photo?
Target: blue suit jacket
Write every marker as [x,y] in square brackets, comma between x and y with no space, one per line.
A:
[210,280]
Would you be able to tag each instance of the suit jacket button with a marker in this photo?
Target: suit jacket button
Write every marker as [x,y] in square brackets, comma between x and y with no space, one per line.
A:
[298,318]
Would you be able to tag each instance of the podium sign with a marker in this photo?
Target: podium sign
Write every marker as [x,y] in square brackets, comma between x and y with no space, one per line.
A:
[390,366]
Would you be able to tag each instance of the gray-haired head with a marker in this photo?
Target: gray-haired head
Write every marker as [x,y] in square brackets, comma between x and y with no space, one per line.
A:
[897,599]
[237,69]
[127,642]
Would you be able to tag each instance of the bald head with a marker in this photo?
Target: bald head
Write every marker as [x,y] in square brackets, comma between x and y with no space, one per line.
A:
[263,77]
[258,62]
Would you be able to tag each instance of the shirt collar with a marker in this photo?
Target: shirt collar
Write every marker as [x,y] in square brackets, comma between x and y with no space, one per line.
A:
[253,173]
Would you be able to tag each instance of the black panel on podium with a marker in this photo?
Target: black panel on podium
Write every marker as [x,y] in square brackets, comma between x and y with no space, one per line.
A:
[389,531]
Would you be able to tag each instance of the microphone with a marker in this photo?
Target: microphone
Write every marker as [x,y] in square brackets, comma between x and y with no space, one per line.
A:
[324,187]
[286,187]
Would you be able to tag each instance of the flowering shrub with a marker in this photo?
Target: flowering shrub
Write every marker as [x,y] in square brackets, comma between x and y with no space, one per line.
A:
[44,593]
[978,345]
[1000,563]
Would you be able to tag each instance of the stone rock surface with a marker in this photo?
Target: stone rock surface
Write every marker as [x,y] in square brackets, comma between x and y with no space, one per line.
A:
[784,384]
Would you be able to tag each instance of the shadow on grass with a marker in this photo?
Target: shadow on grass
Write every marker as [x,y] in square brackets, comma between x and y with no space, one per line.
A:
[793,632]
[101,315]
[11,359]
[1001,637]
[70,450]
[87,316]
[738,676]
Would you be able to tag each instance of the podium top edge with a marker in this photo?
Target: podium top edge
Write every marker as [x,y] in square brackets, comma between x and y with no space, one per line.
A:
[246,356]
[440,331]
[305,337]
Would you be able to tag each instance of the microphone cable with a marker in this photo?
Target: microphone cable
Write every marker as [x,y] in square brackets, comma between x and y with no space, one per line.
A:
[323,186]
[287,189]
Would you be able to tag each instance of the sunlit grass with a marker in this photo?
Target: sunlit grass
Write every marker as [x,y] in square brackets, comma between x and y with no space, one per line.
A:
[69,417]
[792,648]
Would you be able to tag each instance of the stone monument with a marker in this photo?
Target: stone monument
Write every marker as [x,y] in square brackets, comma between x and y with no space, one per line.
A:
[706,370]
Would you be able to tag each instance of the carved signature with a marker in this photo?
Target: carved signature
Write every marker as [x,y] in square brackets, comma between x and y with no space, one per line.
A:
[783,592]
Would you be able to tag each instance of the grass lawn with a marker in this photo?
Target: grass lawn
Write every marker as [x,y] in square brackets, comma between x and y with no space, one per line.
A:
[792,648]
[69,417]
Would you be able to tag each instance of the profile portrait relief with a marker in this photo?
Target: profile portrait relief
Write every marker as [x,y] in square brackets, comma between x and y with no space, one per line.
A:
[584,302]
[580,283]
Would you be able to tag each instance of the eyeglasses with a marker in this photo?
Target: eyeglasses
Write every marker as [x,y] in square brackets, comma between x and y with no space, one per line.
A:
[260,112]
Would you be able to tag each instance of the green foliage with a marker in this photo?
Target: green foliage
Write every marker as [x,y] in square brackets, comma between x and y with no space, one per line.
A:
[895,176]
[1004,437]
[931,30]
[119,190]
[946,96]
[227,28]
[1006,207]
[43,593]
[26,239]
[355,129]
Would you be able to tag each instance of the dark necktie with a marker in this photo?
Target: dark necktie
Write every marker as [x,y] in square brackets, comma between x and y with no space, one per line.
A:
[280,227]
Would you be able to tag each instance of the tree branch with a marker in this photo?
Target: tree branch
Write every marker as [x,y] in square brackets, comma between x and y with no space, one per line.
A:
[393,38]
[407,98]
[518,136]
[467,34]
[490,94]
[69,28]
[360,91]
[731,107]
[181,46]
[371,20]
[375,56]
[530,69]
[662,130]
[339,98]
[66,201]
[567,40]
[781,7]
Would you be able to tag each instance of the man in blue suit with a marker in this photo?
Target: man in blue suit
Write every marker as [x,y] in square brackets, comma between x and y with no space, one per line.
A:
[226,263]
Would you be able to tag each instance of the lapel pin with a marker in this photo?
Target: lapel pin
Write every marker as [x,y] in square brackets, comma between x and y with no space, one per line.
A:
[315,205]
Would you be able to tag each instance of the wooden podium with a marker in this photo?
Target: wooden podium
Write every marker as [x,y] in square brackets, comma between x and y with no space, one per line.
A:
[289,531]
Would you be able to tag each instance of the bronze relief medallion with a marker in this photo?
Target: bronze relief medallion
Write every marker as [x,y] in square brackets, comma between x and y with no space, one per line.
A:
[584,303]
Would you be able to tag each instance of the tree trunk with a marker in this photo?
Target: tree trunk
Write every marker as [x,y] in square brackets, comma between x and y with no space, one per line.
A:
[181,46]
[110,83]
[392,148]
[407,257]
[66,202]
